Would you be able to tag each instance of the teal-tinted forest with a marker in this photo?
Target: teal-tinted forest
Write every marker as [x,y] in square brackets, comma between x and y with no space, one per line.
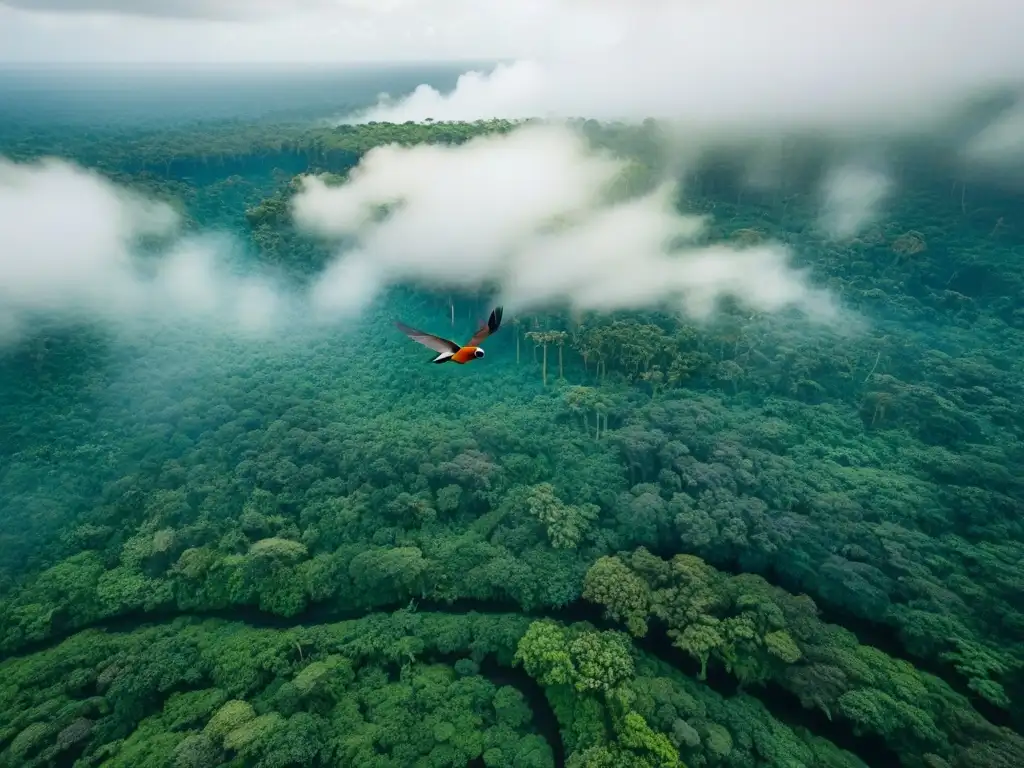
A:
[622,539]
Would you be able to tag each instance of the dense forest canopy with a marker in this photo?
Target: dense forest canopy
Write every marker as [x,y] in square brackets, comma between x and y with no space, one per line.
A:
[749,540]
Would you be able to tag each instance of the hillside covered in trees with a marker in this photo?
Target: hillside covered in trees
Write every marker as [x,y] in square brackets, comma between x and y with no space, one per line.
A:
[628,539]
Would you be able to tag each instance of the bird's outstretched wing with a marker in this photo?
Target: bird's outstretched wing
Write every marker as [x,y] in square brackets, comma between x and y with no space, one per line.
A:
[436,343]
[493,324]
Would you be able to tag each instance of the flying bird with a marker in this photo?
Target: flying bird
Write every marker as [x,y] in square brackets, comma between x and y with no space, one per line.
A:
[449,350]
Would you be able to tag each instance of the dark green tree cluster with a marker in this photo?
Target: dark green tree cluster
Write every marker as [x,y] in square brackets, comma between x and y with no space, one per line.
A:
[760,633]
[195,694]
[771,489]
[388,690]
[212,151]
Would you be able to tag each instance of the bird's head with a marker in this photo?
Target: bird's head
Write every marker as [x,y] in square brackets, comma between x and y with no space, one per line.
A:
[478,353]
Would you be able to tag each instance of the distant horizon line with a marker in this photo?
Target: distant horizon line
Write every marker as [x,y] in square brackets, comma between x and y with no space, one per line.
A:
[167,65]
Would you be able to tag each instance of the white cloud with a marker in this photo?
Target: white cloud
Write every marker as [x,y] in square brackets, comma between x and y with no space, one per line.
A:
[753,68]
[851,197]
[71,246]
[528,211]
[536,212]
[1001,143]
[724,67]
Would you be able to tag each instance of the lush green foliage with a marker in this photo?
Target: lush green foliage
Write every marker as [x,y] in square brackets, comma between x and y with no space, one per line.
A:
[374,692]
[879,473]
[759,633]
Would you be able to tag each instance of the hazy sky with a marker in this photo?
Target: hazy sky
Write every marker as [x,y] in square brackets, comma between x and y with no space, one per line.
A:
[712,61]
[349,30]
[275,30]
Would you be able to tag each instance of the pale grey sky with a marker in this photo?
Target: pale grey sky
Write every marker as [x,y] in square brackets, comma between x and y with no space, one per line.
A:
[784,61]
[266,31]
[751,66]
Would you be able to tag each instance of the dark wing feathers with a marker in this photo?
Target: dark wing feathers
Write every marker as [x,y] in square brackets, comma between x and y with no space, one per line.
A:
[493,324]
[436,343]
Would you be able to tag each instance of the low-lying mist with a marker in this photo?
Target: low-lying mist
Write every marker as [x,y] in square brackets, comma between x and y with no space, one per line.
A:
[538,214]
[535,213]
[76,246]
